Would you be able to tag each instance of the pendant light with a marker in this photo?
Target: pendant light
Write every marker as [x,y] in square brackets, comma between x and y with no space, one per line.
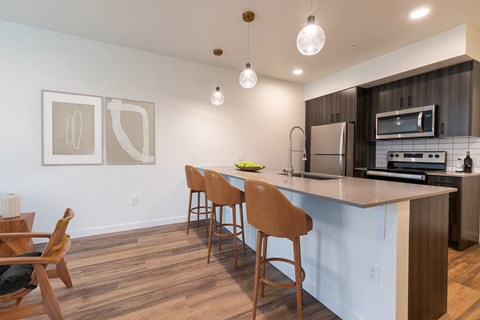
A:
[248,77]
[311,38]
[217,97]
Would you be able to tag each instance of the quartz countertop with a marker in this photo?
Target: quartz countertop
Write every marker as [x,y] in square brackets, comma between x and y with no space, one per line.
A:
[442,173]
[452,174]
[358,192]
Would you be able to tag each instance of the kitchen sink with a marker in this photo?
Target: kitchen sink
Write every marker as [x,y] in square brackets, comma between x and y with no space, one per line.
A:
[312,175]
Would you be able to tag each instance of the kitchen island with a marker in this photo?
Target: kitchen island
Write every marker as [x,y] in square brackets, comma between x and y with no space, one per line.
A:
[401,230]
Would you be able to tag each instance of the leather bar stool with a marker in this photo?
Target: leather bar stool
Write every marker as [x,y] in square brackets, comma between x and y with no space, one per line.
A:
[196,184]
[221,193]
[269,211]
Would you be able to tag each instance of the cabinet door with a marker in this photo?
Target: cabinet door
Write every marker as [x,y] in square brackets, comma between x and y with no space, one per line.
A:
[389,97]
[453,99]
[329,108]
[346,105]
[454,206]
[421,90]
[314,112]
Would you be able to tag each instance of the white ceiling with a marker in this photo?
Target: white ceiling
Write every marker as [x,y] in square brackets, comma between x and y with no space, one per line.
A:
[191,29]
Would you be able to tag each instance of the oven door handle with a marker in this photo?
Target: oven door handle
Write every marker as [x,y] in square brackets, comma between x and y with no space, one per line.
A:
[419,121]
[419,177]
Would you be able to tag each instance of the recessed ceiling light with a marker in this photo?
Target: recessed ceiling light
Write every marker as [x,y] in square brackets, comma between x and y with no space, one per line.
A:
[297,72]
[419,13]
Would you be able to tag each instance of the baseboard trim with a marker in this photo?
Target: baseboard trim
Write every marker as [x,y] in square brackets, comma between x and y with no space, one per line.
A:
[124,227]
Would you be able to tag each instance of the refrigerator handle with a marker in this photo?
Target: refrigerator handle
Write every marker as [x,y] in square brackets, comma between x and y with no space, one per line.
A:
[343,139]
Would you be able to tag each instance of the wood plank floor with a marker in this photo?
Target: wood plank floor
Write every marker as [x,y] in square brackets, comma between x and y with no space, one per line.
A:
[463,284]
[161,273]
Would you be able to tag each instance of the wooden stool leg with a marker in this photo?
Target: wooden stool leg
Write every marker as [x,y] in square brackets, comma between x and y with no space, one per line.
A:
[243,228]
[206,214]
[298,280]
[264,261]
[198,210]
[220,230]
[210,232]
[189,211]
[257,269]
[234,218]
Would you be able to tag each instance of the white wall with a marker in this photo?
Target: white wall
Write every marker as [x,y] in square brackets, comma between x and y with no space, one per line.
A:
[189,129]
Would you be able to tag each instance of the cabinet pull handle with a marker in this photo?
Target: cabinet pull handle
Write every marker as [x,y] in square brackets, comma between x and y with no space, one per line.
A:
[409,101]
[332,117]
[338,116]
[442,128]
[401,102]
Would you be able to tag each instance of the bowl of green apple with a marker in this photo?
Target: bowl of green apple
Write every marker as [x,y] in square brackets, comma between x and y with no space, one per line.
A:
[248,166]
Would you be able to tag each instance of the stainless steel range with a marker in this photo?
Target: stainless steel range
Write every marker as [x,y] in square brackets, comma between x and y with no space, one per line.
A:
[409,166]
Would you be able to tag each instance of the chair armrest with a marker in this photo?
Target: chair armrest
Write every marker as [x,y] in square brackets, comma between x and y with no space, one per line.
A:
[28,260]
[16,235]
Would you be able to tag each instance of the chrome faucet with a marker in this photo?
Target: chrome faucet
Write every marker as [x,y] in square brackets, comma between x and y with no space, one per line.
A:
[289,168]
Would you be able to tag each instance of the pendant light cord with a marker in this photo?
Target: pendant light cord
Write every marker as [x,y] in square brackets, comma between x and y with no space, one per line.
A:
[248,42]
[311,7]
[217,71]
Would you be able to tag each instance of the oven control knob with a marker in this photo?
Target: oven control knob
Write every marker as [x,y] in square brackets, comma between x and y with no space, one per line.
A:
[437,156]
[396,155]
[430,155]
[391,155]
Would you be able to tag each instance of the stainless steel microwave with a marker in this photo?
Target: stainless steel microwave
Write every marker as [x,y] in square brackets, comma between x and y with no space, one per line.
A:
[406,123]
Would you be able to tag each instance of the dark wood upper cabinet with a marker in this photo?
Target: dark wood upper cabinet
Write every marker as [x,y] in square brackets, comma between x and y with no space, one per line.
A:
[456,107]
[455,90]
[420,90]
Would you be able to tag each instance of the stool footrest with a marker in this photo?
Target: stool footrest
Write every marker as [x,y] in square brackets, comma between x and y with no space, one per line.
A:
[204,210]
[239,230]
[281,284]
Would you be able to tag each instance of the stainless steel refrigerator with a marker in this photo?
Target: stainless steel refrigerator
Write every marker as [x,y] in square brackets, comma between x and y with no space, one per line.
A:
[332,148]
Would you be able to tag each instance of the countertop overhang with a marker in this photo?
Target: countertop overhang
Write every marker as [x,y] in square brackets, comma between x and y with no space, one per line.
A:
[358,192]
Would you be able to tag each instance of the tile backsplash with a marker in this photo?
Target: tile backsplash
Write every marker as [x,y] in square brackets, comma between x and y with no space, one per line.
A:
[455,148]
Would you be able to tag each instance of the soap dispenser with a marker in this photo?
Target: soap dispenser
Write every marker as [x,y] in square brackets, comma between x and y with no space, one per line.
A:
[467,163]
[459,165]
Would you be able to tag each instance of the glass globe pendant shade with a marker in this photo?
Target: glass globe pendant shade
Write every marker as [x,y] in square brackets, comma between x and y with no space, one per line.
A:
[217,97]
[311,39]
[248,77]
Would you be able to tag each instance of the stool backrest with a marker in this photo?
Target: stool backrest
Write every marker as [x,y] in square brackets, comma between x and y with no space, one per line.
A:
[195,180]
[271,212]
[220,191]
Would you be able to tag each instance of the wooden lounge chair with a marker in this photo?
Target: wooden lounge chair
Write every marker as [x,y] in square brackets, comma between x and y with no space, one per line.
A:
[53,254]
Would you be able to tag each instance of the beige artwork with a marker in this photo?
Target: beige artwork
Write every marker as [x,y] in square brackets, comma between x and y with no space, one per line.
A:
[73,129]
[129,132]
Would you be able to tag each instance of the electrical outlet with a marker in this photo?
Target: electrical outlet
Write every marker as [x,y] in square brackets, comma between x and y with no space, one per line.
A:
[373,272]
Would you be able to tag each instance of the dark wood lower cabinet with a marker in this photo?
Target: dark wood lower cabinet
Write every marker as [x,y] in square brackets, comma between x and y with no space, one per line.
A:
[428,258]
[464,209]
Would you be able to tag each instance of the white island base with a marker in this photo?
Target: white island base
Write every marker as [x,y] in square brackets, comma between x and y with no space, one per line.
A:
[406,241]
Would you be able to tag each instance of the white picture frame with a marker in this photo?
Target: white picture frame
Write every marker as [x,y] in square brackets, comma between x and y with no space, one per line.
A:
[72,129]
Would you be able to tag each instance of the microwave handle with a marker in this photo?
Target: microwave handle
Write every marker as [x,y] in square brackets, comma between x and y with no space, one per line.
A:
[419,121]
